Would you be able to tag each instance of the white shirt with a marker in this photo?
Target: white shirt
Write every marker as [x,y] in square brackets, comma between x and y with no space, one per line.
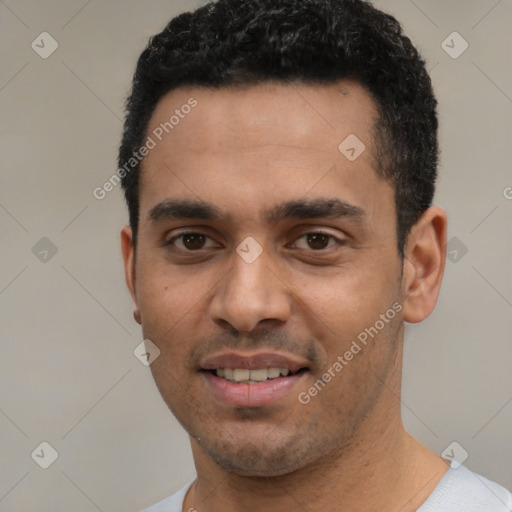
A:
[460,490]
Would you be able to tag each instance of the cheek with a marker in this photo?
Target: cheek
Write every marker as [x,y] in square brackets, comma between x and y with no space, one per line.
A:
[165,298]
[174,311]
[344,315]
[347,301]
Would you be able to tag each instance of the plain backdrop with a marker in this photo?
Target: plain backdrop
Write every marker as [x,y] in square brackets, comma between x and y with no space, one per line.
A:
[68,375]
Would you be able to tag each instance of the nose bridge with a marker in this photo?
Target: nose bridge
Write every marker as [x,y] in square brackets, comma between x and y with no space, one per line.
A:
[250,293]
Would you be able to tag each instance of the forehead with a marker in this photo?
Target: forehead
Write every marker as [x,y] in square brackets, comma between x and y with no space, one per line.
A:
[260,144]
[304,113]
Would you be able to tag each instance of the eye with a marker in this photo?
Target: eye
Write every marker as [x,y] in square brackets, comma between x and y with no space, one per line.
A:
[191,241]
[316,241]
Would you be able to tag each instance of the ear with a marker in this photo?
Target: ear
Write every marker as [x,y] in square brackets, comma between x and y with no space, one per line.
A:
[424,264]
[128,251]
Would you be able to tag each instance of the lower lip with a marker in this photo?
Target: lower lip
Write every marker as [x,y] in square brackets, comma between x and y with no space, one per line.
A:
[251,395]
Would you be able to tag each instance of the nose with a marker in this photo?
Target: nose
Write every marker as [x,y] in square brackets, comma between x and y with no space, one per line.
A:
[250,294]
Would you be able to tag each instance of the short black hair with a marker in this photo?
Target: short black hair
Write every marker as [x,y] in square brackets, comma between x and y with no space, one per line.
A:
[245,42]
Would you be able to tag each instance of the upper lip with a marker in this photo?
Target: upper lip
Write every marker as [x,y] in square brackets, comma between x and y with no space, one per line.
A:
[253,361]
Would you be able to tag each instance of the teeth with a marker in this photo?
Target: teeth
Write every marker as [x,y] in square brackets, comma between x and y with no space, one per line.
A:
[240,375]
[251,376]
[259,375]
[273,373]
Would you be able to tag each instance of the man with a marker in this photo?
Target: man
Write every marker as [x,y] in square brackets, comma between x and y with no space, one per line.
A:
[279,162]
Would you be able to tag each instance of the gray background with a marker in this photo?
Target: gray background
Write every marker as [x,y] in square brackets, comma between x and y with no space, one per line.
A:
[68,375]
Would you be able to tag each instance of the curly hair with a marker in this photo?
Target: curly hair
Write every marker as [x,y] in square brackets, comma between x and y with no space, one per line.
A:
[246,42]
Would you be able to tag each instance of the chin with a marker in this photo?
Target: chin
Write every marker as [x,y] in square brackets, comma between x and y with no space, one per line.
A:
[253,459]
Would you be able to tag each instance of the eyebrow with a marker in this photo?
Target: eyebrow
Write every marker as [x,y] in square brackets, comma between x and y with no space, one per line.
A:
[185,209]
[296,209]
[314,209]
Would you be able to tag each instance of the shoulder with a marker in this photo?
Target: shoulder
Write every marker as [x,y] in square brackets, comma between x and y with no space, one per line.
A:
[461,490]
[173,503]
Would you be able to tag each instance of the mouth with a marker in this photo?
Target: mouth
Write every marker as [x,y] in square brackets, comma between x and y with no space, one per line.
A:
[252,380]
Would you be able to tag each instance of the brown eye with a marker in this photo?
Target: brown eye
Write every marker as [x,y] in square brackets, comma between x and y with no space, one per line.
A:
[318,241]
[193,241]
[188,242]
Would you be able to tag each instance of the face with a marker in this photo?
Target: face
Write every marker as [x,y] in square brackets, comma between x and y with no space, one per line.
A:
[267,272]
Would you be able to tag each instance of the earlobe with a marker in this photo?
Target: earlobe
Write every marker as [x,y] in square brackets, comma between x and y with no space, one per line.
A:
[424,263]
[128,251]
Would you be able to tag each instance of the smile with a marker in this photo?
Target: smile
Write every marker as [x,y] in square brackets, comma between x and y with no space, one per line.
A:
[245,376]
[252,380]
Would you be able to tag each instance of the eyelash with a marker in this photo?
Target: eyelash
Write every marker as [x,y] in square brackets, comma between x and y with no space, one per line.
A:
[182,235]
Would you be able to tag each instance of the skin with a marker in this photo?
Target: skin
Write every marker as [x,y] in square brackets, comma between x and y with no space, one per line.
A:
[245,150]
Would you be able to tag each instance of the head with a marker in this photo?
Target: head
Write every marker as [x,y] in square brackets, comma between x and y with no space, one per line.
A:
[281,215]
[234,42]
